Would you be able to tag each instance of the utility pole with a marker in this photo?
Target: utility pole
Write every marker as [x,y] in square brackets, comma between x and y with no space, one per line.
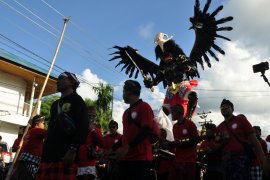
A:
[203,116]
[112,102]
[34,112]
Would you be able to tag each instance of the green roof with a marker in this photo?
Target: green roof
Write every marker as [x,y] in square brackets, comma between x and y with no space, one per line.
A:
[12,58]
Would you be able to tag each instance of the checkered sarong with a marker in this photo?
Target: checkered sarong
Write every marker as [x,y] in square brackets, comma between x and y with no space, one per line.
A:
[32,162]
[56,171]
[88,170]
[29,158]
[255,173]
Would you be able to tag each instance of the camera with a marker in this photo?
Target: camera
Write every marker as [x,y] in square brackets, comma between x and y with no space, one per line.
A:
[261,67]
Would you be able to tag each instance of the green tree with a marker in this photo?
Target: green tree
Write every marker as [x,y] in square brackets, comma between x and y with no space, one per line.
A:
[90,102]
[104,112]
[46,106]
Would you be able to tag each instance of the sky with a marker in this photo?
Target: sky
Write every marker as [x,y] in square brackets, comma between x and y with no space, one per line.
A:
[31,30]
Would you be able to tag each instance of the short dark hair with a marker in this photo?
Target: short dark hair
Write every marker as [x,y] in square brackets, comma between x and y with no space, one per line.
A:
[257,128]
[113,123]
[133,86]
[210,126]
[227,102]
[177,108]
[37,119]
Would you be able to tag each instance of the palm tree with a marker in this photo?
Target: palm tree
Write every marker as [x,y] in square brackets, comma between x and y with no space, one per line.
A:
[104,93]
[104,112]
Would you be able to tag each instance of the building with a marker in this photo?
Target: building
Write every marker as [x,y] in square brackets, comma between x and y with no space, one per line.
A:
[20,83]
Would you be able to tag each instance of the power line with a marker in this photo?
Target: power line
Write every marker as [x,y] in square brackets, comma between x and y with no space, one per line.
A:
[228,90]
[78,47]
[14,9]
[80,29]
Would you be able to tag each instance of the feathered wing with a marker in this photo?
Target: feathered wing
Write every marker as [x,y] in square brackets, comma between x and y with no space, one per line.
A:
[128,57]
[206,28]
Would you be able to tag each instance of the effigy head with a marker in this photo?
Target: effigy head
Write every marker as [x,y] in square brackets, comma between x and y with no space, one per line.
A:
[161,38]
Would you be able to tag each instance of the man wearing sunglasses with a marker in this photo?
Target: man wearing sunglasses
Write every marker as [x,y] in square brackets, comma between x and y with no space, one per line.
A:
[109,140]
[237,132]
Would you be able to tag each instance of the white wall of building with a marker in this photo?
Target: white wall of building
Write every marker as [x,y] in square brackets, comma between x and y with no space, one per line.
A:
[12,97]
[9,132]
[12,93]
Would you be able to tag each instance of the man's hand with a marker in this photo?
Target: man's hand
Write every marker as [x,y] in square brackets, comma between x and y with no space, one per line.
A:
[123,151]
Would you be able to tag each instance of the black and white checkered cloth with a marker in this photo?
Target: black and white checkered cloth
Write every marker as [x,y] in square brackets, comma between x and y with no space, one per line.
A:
[255,173]
[29,158]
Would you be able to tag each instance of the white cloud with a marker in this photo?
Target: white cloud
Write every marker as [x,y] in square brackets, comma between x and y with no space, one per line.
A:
[251,24]
[146,30]
[89,80]
[233,78]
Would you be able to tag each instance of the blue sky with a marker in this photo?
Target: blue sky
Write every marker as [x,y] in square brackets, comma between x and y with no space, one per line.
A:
[95,26]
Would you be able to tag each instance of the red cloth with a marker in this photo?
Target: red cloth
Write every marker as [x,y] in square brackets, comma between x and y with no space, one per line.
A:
[143,114]
[109,140]
[240,126]
[56,171]
[33,141]
[93,138]
[181,97]
[165,164]
[16,144]
[210,144]
[256,162]
[185,130]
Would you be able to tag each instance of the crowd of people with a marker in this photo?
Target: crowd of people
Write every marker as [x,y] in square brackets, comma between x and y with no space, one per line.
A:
[73,146]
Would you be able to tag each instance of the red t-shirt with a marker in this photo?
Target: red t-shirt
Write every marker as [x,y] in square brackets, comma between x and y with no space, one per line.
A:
[241,128]
[143,114]
[109,140]
[185,130]
[256,162]
[210,144]
[33,141]
[83,151]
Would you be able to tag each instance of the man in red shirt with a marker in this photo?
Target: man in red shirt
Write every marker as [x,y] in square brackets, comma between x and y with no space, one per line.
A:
[184,165]
[236,131]
[256,169]
[211,155]
[30,155]
[113,137]
[87,160]
[17,141]
[163,162]
[136,150]
[109,140]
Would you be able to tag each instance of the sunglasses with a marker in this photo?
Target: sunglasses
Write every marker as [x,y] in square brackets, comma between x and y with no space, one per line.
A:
[92,116]
[112,127]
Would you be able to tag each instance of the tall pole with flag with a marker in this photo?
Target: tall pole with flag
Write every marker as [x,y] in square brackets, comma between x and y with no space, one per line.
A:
[34,112]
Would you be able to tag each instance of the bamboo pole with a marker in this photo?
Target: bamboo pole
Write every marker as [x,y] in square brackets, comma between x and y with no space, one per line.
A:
[34,112]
